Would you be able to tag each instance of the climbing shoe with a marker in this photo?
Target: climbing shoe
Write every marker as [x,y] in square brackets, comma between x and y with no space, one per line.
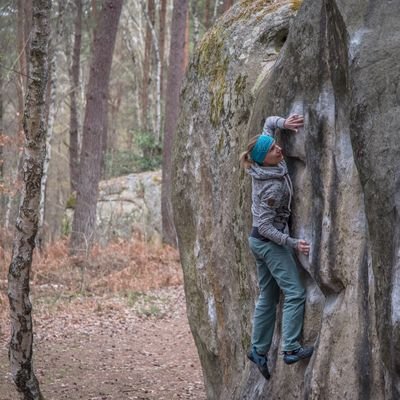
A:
[260,361]
[290,357]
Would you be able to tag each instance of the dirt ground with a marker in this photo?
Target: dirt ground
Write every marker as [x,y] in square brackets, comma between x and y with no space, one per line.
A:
[110,346]
[108,325]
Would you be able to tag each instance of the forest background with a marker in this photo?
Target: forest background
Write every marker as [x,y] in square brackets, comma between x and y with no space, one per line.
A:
[137,94]
[111,108]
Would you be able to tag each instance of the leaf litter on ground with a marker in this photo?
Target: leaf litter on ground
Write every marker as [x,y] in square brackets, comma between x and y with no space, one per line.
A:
[108,325]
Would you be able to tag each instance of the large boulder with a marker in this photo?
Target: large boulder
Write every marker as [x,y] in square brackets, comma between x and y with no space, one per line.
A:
[127,205]
[339,67]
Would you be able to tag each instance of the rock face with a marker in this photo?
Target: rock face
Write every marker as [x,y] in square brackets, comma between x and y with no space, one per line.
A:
[129,204]
[339,68]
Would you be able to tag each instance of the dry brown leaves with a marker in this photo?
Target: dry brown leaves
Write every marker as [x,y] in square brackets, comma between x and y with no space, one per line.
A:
[111,325]
[123,268]
[133,265]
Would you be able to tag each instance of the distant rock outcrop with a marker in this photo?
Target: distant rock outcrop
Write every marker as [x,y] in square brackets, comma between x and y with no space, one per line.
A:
[339,68]
[129,204]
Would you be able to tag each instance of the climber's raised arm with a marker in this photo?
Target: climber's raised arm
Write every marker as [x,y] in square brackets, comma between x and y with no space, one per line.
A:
[291,123]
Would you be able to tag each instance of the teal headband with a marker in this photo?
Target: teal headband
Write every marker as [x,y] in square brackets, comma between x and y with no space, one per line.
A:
[261,148]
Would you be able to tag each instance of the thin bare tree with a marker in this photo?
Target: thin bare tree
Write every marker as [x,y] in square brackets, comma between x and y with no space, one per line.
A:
[20,351]
[74,92]
[221,6]
[146,65]
[28,7]
[196,22]
[216,8]
[24,26]
[94,126]
[54,51]
[175,76]
[187,41]
[151,28]
[207,14]
[162,37]
[227,5]
[2,139]
[132,34]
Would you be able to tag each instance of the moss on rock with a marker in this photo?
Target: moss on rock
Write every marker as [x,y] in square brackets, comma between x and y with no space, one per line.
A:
[195,105]
[240,84]
[71,201]
[217,90]
[296,4]
[213,63]
[250,8]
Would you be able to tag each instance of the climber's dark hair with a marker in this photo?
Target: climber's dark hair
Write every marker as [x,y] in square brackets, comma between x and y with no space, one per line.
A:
[245,158]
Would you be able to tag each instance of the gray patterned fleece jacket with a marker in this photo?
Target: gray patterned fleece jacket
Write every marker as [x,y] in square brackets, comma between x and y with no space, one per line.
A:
[271,195]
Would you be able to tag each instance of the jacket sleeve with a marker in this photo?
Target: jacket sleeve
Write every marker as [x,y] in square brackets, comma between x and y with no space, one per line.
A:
[271,123]
[270,200]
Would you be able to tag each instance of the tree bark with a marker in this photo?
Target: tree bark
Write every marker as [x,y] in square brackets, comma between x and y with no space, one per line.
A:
[94,127]
[133,30]
[24,26]
[2,138]
[2,142]
[162,35]
[216,7]
[74,92]
[227,5]
[175,77]
[187,41]
[114,111]
[150,26]
[196,24]
[146,66]
[52,108]
[94,9]
[207,14]
[27,30]
[20,351]
[22,46]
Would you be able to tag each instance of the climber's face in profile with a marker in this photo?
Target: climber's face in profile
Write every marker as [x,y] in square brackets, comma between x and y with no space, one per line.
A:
[274,155]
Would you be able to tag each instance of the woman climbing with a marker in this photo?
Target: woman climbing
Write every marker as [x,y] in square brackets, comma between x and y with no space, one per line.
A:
[272,246]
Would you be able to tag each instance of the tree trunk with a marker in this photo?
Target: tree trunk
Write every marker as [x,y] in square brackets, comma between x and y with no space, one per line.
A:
[2,138]
[104,144]
[131,29]
[94,9]
[196,24]
[162,35]
[20,351]
[150,26]
[2,142]
[227,5]
[175,77]
[207,14]
[52,108]
[94,127]
[73,122]
[114,111]
[187,42]
[216,7]
[27,31]
[22,46]
[146,66]
[24,25]
[14,187]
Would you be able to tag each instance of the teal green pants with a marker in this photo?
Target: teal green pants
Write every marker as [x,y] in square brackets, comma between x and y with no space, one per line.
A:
[277,269]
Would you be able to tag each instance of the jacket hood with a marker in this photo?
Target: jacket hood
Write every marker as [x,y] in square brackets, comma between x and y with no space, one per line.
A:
[262,173]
